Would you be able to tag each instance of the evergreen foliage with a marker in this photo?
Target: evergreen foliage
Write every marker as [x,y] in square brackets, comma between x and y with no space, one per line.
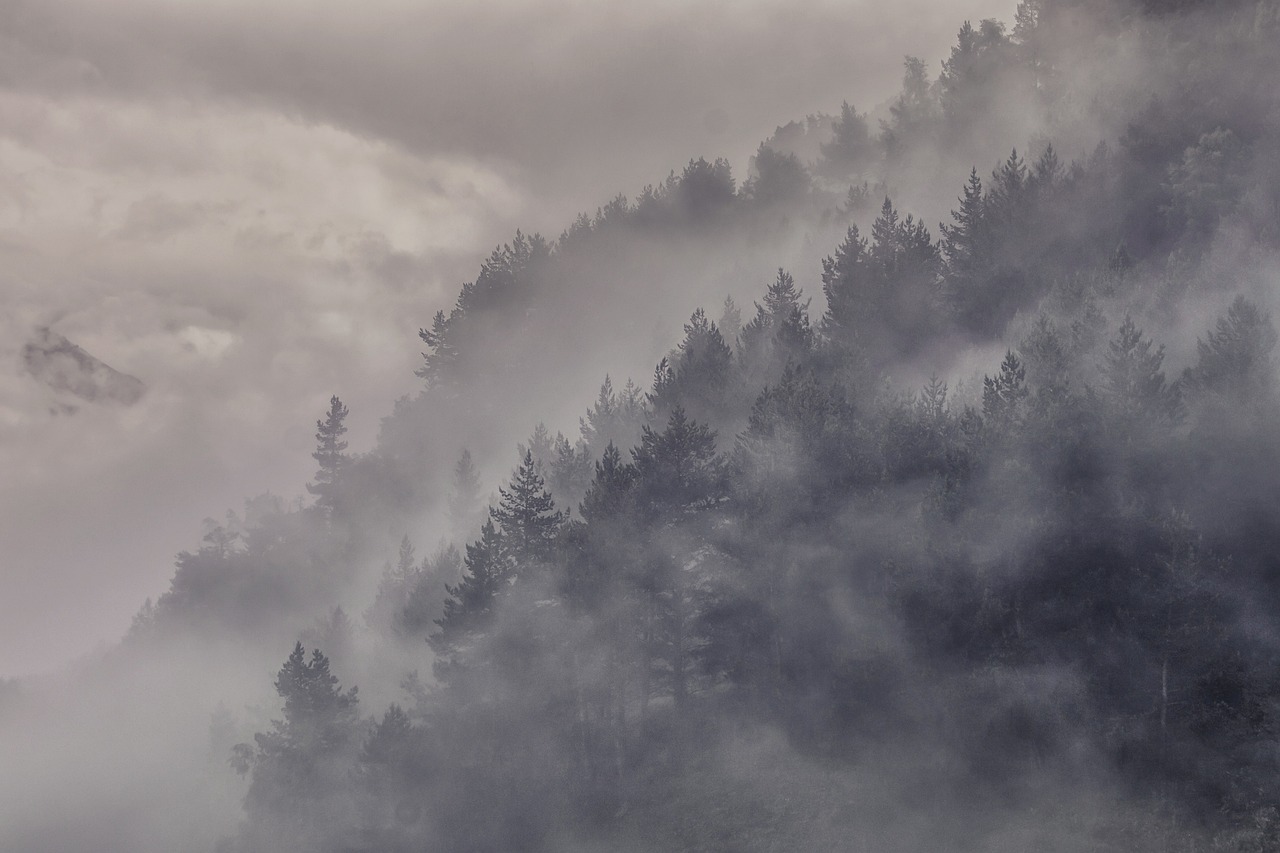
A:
[330,456]
[1061,577]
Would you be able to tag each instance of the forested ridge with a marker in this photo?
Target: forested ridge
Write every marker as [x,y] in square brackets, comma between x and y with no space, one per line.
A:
[970,544]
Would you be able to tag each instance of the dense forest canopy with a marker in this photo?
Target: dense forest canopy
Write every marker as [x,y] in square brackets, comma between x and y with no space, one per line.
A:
[957,530]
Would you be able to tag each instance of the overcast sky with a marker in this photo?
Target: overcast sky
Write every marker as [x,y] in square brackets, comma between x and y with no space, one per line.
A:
[251,206]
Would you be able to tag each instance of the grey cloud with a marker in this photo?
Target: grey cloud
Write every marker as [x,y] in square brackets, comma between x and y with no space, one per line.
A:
[553,89]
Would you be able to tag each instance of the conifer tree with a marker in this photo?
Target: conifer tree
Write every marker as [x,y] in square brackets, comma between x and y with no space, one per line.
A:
[393,589]
[850,148]
[964,244]
[298,796]
[526,515]
[1003,394]
[843,278]
[570,471]
[542,447]
[428,592]
[601,422]
[1133,381]
[662,397]
[730,322]
[700,377]
[1005,200]
[913,112]
[678,468]
[440,365]
[330,455]
[606,495]
[779,333]
[1235,357]
[464,498]
[470,603]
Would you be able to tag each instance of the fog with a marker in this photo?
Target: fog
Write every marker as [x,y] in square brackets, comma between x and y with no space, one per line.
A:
[919,509]
[250,209]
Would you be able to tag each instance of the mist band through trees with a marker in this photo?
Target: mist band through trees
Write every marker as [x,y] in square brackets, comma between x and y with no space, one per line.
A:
[901,537]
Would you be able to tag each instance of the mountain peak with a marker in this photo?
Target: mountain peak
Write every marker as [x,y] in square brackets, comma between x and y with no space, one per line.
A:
[65,367]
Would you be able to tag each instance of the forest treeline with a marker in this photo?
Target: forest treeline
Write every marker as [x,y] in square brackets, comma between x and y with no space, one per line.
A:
[783,577]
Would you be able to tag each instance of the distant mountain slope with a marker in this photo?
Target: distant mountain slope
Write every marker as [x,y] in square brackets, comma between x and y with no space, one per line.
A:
[65,367]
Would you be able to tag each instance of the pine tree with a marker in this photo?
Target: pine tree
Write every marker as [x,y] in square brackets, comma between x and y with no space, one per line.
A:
[1005,200]
[543,449]
[964,242]
[331,457]
[1133,381]
[464,499]
[780,179]
[730,321]
[913,112]
[393,590]
[426,596]
[1002,395]
[1235,357]
[1046,174]
[470,603]
[440,365]
[570,471]
[700,377]
[967,83]
[526,515]
[317,712]
[844,276]
[778,334]
[606,496]
[882,296]
[678,468]
[850,148]
[298,797]
[662,397]
[967,247]
[884,239]
[601,422]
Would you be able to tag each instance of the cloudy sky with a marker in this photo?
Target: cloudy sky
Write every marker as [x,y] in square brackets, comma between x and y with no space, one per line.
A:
[251,206]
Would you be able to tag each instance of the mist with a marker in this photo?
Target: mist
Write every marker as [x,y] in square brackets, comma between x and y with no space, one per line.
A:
[927,501]
[251,209]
